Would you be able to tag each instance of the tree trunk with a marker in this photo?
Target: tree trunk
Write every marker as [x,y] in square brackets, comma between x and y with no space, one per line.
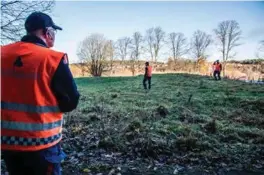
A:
[224,68]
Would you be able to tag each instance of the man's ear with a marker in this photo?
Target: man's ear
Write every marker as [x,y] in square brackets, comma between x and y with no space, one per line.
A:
[49,34]
[65,59]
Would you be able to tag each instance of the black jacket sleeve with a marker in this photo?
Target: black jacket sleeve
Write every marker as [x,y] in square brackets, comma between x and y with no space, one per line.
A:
[64,88]
[146,71]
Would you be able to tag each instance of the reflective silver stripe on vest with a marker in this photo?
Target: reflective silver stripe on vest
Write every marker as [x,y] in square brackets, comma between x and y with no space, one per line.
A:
[28,108]
[22,126]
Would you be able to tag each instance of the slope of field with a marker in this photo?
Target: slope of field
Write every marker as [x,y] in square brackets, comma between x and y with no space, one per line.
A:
[185,124]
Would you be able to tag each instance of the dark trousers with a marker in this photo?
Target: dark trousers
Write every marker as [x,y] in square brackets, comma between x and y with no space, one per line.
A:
[149,82]
[44,162]
[217,75]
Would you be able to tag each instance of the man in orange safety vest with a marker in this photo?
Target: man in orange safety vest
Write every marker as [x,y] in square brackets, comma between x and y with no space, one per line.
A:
[147,76]
[37,88]
[217,70]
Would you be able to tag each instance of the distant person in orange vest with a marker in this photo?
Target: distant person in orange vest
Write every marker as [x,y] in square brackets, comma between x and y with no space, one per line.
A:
[37,88]
[147,76]
[217,70]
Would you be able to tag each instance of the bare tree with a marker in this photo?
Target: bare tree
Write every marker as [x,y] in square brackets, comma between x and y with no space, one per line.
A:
[149,38]
[228,34]
[122,46]
[260,52]
[111,51]
[159,38]
[178,44]
[14,14]
[133,62]
[154,38]
[136,45]
[200,43]
[95,52]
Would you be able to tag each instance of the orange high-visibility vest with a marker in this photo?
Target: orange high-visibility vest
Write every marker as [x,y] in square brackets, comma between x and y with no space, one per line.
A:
[217,67]
[149,73]
[30,116]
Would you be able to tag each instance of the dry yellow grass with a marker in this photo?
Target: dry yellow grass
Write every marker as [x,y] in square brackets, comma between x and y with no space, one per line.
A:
[233,70]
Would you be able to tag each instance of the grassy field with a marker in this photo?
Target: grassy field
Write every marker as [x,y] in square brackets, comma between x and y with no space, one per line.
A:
[185,124]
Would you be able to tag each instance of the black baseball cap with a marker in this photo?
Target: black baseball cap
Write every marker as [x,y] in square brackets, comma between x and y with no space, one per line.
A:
[39,20]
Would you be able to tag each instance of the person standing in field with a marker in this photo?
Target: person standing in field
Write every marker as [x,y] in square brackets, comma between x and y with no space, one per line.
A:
[37,88]
[217,70]
[147,76]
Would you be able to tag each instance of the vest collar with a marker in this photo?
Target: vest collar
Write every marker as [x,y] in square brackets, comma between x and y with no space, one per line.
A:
[33,39]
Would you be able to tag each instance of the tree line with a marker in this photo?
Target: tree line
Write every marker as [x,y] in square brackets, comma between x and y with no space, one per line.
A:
[97,51]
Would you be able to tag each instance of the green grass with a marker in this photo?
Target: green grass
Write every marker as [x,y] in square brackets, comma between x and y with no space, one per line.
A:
[181,114]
